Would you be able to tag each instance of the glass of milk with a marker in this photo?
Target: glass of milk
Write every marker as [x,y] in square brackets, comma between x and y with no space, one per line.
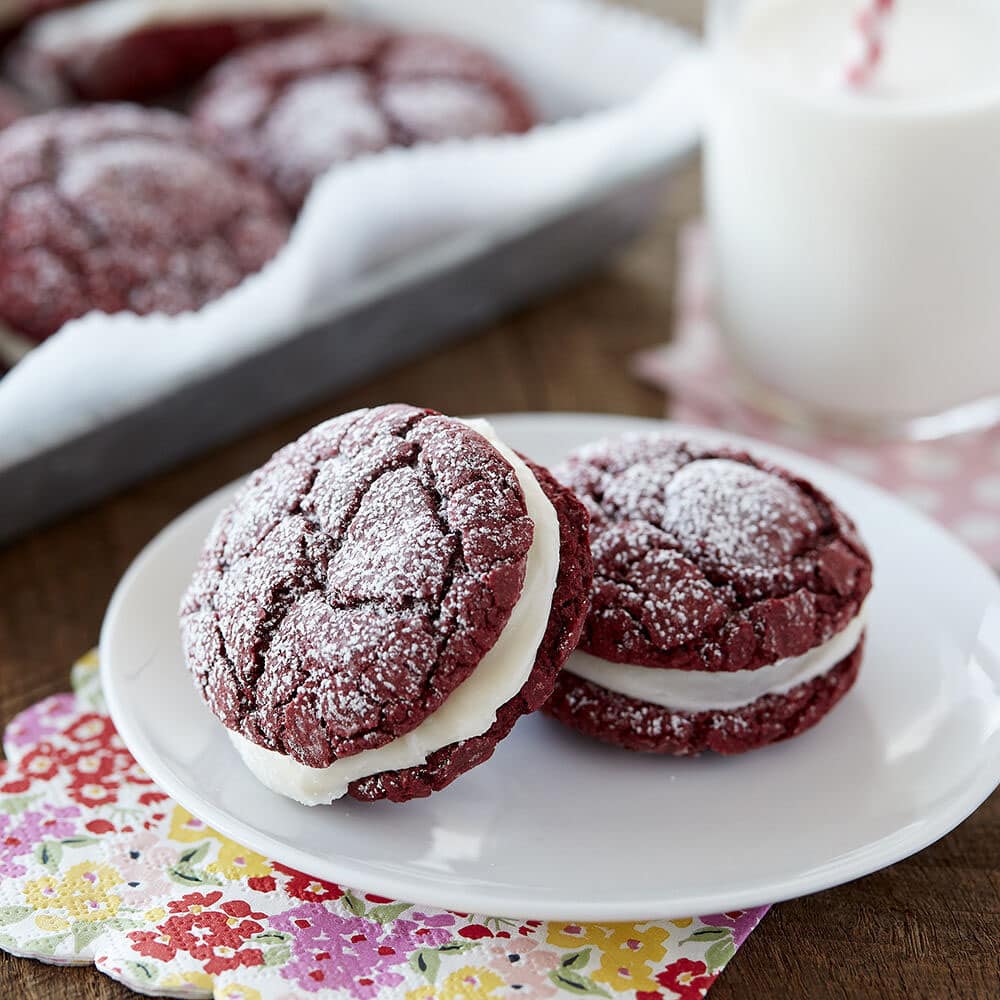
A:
[856,233]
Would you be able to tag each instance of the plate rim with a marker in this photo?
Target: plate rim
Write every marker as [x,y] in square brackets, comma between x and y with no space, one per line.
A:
[890,849]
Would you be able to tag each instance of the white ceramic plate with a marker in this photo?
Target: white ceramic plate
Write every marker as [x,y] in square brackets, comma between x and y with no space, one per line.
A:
[558,827]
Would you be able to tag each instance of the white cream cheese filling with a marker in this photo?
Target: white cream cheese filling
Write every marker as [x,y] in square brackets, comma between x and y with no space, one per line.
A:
[703,691]
[472,707]
[107,20]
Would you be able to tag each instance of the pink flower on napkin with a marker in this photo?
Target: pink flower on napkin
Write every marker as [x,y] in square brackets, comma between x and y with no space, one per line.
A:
[144,863]
[524,965]
[741,922]
[20,835]
[354,954]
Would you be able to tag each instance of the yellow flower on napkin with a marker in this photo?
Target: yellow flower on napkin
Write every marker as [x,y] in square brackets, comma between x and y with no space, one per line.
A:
[467,983]
[186,828]
[236,991]
[202,980]
[51,923]
[84,892]
[233,862]
[626,950]
[236,863]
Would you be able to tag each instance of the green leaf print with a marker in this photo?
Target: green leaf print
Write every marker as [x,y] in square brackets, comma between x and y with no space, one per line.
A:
[719,953]
[275,946]
[277,956]
[454,947]
[141,972]
[576,959]
[85,933]
[193,855]
[271,937]
[48,854]
[124,923]
[387,911]
[572,982]
[183,875]
[427,961]
[707,934]
[86,680]
[44,945]
[14,914]
[353,904]
[77,841]
[499,923]
[15,804]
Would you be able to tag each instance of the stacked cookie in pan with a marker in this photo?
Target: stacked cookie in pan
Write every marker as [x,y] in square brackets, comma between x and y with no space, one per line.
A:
[262,97]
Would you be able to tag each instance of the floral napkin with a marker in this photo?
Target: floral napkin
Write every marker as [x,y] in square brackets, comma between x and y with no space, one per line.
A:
[955,480]
[98,866]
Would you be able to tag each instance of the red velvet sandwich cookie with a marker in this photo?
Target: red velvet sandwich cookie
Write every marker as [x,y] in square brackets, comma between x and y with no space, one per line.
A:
[728,603]
[382,601]
[117,208]
[112,50]
[291,109]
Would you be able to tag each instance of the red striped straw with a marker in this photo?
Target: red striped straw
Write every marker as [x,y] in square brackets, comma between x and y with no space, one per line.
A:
[867,42]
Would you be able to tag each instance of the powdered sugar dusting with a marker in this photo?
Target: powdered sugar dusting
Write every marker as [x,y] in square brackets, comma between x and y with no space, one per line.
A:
[337,92]
[708,559]
[326,119]
[355,581]
[432,110]
[738,517]
[643,579]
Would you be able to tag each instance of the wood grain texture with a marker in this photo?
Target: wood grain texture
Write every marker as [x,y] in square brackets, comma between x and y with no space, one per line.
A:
[926,928]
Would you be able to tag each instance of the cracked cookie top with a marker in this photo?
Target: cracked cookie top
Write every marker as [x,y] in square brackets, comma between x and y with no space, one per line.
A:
[709,559]
[290,109]
[355,581]
[118,207]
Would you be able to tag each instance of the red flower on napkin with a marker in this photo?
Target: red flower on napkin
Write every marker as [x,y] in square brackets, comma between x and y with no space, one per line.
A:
[687,979]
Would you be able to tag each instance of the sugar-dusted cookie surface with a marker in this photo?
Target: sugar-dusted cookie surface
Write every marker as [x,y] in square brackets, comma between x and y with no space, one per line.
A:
[118,207]
[710,559]
[292,108]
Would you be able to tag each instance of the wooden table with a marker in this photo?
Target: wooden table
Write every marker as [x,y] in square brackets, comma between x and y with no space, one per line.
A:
[926,928]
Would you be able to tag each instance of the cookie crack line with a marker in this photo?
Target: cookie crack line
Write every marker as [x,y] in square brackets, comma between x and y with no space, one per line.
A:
[825,534]
[456,560]
[320,581]
[272,625]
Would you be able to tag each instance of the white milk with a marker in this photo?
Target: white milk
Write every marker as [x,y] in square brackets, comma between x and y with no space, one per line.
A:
[857,236]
